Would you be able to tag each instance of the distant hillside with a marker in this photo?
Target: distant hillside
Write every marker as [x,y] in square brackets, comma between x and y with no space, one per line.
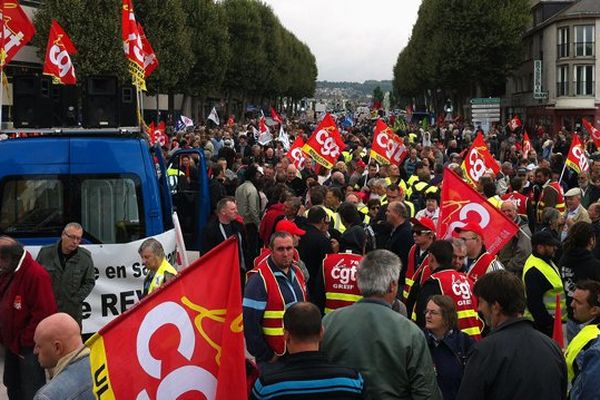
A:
[365,88]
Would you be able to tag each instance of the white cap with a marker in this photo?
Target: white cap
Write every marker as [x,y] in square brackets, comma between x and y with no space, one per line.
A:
[573,192]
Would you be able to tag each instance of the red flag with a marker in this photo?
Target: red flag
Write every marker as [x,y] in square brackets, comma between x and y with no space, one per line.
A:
[557,333]
[325,144]
[150,60]
[479,160]
[295,153]
[231,120]
[594,133]
[132,44]
[276,117]
[150,132]
[264,134]
[17,30]
[184,340]
[460,204]
[515,123]
[576,159]
[157,134]
[387,147]
[58,63]
[526,145]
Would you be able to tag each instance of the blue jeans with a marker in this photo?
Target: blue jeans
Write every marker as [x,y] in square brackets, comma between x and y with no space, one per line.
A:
[23,375]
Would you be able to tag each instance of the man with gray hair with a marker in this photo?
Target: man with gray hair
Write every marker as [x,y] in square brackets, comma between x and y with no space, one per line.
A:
[360,336]
[72,270]
[160,271]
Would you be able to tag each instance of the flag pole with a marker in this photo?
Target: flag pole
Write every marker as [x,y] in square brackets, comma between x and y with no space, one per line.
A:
[563,172]
[1,93]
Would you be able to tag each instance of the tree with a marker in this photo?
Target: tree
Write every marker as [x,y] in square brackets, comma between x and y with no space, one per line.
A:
[378,94]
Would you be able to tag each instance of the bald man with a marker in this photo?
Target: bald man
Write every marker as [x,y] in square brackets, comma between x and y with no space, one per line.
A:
[26,297]
[60,350]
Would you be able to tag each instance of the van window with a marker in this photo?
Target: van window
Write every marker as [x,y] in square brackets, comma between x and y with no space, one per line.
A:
[109,207]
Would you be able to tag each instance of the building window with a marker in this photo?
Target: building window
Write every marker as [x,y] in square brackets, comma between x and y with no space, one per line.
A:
[584,80]
[562,80]
[563,42]
[584,40]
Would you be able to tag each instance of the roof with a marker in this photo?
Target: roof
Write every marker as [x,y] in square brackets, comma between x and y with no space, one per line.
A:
[579,9]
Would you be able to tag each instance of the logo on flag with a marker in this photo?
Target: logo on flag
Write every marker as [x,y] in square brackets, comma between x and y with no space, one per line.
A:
[284,138]
[276,117]
[461,204]
[577,160]
[132,45]
[479,160]
[150,60]
[387,147]
[295,153]
[58,63]
[325,144]
[214,117]
[185,338]
[594,133]
[264,134]
[526,145]
[515,123]
[157,134]
[17,30]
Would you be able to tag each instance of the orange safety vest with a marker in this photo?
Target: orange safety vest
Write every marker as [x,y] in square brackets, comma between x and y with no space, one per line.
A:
[339,277]
[519,199]
[411,271]
[460,288]
[265,252]
[272,322]
[422,274]
[560,200]
[480,266]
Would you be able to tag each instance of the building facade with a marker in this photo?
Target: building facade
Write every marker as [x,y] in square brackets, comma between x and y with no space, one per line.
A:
[555,85]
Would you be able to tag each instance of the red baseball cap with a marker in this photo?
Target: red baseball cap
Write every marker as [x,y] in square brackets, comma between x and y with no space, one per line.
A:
[424,222]
[286,225]
[470,227]
[361,164]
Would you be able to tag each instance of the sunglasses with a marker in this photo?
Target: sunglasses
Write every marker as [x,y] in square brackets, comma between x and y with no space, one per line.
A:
[419,233]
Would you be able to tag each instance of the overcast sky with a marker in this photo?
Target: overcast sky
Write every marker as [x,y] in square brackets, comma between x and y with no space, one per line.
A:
[352,40]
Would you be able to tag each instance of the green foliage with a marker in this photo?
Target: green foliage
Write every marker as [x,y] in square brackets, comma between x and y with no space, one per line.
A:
[378,94]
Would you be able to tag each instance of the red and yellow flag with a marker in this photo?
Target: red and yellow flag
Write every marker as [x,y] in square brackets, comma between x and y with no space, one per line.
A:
[58,63]
[184,340]
[594,133]
[526,145]
[325,145]
[576,159]
[150,59]
[479,160]
[17,30]
[133,46]
[387,147]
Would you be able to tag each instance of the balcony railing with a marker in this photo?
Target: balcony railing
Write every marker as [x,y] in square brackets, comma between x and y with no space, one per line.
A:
[584,49]
[562,88]
[563,50]
[584,88]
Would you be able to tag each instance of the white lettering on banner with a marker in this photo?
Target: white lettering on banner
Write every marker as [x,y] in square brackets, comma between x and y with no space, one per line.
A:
[580,157]
[477,168]
[119,278]
[395,150]
[14,39]
[329,146]
[184,379]
[298,156]
[61,59]
[463,215]
[461,288]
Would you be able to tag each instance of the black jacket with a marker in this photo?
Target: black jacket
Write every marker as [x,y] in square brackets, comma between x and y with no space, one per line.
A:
[399,243]
[313,247]
[212,236]
[515,362]
[576,265]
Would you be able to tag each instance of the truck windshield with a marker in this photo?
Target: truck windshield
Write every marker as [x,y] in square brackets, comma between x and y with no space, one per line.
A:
[108,207]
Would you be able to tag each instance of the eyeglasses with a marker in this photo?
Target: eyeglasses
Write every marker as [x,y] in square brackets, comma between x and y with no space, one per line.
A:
[73,237]
[432,312]
[419,233]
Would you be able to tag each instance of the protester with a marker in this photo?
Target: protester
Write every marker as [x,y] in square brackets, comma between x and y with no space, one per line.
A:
[418,270]
[401,238]
[26,298]
[479,261]
[72,270]
[513,255]
[448,345]
[407,372]
[306,372]
[60,351]
[515,361]
[160,271]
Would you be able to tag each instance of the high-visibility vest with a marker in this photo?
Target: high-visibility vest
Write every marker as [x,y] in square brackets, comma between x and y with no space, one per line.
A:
[560,200]
[480,266]
[272,322]
[159,277]
[551,274]
[496,201]
[579,342]
[421,187]
[411,269]
[411,181]
[339,278]
[422,275]
[458,286]
[410,207]
[401,184]
[265,252]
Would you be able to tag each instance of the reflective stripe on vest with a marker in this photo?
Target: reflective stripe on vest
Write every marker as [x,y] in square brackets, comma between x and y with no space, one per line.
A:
[586,335]
[411,207]
[272,322]
[339,278]
[159,277]
[560,200]
[551,275]
[460,288]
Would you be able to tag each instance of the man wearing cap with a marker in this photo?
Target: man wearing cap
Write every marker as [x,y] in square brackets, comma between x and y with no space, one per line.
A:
[542,282]
[575,211]
[479,261]
[417,270]
[514,253]
[285,225]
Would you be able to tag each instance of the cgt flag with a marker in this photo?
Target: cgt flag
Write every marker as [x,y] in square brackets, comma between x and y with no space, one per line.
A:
[461,204]
[594,133]
[58,63]
[577,160]
[295,153]
[133,46]
[526,145]
[17,30]
[264,134]
[387,147]
[515,123]
[184,340]
[276,117]
[157,134]
[325,144]
[150,59]
[479,160]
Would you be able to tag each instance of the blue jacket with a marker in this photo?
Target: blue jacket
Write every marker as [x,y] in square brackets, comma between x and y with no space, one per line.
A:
[586,385]
[449,358]
[73,383]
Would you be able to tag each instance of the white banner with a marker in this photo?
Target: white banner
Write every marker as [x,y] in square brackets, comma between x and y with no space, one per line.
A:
[119,278]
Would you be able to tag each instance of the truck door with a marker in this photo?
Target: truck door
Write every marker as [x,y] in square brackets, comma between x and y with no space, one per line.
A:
[188,181]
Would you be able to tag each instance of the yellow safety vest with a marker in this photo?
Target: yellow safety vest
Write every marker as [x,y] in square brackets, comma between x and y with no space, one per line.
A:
[496,201]
[401,184]
[420,186]
[586,335]
[551,274]
[159,277]
[411,208]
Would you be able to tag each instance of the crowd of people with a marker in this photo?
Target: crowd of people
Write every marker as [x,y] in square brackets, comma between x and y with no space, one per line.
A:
[348,292]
